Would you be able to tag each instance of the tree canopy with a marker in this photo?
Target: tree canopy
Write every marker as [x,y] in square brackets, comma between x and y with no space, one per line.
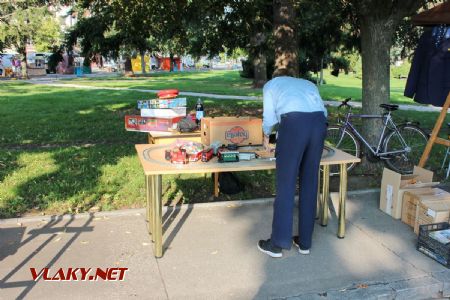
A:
[23,22]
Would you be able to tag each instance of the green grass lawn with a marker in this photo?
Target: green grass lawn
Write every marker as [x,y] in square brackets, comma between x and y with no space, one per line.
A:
[230,83]
[66,150]
[345,86]
[218,82]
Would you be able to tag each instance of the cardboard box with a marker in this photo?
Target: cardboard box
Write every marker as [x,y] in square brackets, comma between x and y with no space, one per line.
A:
[432,211]
[410,201]
[162,103]
[164,112]
[147,124]
[393,185]
[232,130]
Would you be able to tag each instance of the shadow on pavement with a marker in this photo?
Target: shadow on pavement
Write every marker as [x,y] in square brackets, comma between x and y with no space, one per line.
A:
[13,243]
[168,218]
[376,253]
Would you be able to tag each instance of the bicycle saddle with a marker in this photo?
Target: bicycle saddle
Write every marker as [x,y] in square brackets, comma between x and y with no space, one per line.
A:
[389,107]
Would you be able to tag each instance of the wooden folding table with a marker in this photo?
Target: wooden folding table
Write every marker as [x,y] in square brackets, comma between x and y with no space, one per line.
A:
[154,165]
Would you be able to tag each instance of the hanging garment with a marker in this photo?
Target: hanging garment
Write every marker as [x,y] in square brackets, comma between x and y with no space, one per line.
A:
[429,77]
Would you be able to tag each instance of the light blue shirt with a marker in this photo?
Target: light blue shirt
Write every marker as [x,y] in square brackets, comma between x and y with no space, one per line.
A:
[287,94]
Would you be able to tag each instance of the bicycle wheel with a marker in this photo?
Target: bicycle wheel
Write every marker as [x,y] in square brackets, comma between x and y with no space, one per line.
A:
[344,140]
[416,140]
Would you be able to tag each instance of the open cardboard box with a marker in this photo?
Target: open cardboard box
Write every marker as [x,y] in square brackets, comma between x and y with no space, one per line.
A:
[393,185]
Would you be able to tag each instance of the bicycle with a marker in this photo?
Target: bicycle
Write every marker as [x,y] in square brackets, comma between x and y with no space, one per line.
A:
[399,146]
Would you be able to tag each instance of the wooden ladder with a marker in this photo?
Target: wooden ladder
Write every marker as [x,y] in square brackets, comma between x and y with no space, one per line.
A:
[434,139]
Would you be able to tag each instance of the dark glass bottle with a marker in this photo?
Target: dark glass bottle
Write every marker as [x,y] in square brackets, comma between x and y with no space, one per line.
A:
[199,114]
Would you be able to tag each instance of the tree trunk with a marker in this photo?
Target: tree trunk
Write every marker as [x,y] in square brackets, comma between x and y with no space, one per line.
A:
[378,21]
[285,39]
[142,53]
[258,56]
[24,67]
[260,69]
[128,66]
[171,62]
[321,72]
[376,42]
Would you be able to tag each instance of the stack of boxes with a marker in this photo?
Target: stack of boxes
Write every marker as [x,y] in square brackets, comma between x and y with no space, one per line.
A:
[413,198]
[425,206]
[432,211]
[160,114]
[421,206]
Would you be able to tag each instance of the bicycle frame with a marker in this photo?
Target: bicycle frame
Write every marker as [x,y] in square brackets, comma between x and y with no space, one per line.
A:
[387,121]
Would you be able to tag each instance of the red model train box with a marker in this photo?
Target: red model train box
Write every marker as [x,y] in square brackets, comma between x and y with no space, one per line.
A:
[232,130]
[146,124]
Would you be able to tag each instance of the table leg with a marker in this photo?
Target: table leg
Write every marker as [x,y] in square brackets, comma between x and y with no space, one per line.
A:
[342,198]
[325,195]
[157,215]
[148,211]
[319,198]
[216,184]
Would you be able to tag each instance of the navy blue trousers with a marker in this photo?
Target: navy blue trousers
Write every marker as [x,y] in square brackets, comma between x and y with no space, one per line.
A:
[298,151]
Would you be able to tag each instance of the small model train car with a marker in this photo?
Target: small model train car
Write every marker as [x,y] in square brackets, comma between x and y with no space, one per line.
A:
[228,156]
[179,156]
[207,154]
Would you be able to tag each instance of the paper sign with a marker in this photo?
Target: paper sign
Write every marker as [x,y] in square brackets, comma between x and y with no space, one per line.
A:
[389,192]
[431,213]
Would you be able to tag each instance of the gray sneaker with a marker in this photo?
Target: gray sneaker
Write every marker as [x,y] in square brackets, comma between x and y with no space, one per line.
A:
[300,250]
[268,248]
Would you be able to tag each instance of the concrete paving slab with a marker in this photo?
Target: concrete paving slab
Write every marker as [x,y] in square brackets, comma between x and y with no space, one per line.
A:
[227,262]
[377,291]
[417,288]
[444,277]
[394,235]
[90,243]
[210,253]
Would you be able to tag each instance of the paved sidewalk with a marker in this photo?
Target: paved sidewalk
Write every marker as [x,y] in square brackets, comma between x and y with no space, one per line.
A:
[52,82]
[210,253]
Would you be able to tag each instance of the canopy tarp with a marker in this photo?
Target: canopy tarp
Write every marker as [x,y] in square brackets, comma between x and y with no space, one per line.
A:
[440,14]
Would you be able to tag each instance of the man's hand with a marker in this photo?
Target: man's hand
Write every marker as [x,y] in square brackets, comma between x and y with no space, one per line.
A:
[268,147]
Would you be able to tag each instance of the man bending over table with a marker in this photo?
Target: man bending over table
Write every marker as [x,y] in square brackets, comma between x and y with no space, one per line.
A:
[296,106]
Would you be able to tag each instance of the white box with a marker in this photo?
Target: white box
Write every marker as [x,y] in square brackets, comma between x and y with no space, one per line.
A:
[164,112]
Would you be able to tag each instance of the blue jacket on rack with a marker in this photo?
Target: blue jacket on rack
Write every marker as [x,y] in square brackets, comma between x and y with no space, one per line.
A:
[429,77]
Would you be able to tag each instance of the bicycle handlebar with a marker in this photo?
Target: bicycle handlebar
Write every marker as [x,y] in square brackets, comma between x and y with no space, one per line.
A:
[345,103]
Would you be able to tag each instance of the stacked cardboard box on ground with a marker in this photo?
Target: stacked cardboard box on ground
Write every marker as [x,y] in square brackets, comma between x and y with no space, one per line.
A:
[425,206]
[410,201]
[413,199]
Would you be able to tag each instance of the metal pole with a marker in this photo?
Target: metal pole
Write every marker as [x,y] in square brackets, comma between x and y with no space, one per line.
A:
[325,195]
[319,198]
[342,197]
[157,213]
[149,210]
